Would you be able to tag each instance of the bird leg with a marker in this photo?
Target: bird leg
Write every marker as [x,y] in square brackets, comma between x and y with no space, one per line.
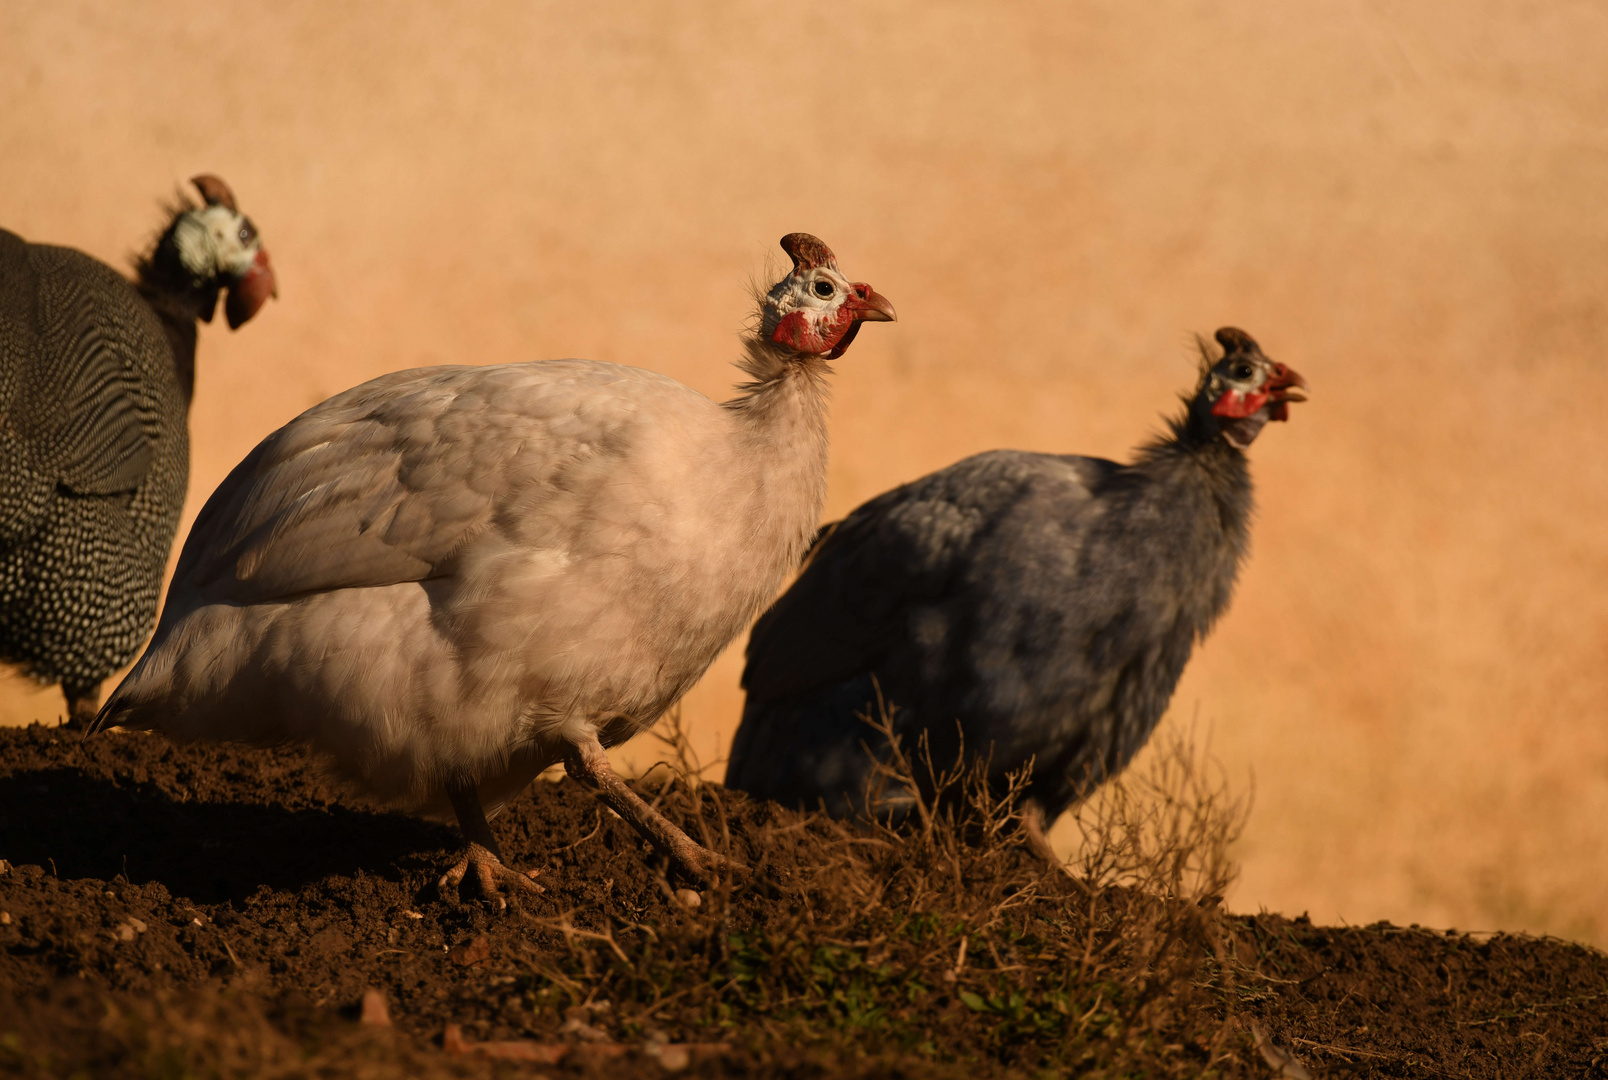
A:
[83,702]
[1037,842]
[491,875]
[587,764]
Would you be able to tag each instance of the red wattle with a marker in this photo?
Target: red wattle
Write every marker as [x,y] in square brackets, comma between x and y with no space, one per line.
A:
[251,291]
[796,331]
[1237,405]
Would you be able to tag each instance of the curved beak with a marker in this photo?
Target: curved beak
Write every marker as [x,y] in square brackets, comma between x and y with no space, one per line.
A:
[1285,384]
[868,305]
[251,291]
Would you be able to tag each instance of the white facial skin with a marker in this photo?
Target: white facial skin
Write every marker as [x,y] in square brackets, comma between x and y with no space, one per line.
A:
[215,242]
[1244,373]
[818,292]
[1236,378]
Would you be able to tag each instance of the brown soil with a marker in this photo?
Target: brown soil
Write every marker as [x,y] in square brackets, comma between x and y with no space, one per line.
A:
[215,911]
[1402,201]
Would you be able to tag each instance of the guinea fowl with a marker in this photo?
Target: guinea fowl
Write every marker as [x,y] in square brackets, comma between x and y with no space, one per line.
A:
[448,579]
[1047,603]
[96,375]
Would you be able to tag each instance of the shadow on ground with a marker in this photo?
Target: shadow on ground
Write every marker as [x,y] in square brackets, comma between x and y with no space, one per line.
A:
[81,825]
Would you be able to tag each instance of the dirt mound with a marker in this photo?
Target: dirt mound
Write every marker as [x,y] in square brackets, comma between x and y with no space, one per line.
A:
[218,911]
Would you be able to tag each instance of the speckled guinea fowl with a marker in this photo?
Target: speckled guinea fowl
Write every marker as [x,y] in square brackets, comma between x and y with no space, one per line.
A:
[1047,603]
[96,374]
[448,579]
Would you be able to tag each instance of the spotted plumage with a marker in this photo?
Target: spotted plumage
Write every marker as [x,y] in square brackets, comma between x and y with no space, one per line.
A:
[96,374]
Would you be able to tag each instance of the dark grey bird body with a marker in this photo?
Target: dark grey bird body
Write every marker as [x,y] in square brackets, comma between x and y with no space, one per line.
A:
[1040,607]
[96,374]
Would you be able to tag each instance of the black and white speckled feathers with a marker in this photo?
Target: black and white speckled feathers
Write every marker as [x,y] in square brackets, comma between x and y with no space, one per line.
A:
[95,380]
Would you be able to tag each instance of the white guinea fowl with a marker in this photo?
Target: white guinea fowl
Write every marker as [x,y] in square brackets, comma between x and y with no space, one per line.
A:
[450,578]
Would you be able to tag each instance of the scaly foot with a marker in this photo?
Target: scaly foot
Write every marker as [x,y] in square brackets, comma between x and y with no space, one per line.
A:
[495,881]
[587,764]
[698,861]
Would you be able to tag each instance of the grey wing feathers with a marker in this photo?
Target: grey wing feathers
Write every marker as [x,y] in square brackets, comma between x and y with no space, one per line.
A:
[325,502]
[932,597]
[855,596]
[386,482]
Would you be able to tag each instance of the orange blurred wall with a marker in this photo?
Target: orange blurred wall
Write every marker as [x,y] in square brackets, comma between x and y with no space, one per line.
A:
[1408,207]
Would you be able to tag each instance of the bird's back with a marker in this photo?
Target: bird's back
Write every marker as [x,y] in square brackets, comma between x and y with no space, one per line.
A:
[93,461]
[402,478]
[1008,601]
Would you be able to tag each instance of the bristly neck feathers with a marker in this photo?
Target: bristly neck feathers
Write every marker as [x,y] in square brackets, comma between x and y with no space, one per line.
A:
[177,299]
[1191,459]
[1194,450]
[782,415]
[784,404]
[778,373]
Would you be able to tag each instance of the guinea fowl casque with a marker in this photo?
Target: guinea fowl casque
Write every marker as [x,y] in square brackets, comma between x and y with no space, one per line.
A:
[450,578]
[96,376]
[1047,603]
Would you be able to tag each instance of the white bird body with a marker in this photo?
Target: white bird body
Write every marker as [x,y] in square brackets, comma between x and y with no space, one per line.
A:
[525,550]
[448,579]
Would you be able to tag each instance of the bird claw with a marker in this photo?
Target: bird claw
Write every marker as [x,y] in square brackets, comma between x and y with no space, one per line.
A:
[700,862]
[494,880]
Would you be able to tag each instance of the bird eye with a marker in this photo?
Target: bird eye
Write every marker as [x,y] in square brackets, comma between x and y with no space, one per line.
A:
[1242,372]
[247,232]
[824,289]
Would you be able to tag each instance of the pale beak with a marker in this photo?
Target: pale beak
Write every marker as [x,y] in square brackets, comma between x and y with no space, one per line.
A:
[1284,384]
[868,305]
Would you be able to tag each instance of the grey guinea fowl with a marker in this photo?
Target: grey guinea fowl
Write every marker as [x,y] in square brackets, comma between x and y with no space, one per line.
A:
[96,375]
[450,578]
[1047,603]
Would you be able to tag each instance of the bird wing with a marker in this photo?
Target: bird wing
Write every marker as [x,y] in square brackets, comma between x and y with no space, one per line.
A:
[79,409]
[389,481]
[854,599]
[955,593]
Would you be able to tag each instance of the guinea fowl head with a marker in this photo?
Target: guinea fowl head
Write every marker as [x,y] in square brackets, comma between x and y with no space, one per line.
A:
[218,248]
[1243,390]
[815,310]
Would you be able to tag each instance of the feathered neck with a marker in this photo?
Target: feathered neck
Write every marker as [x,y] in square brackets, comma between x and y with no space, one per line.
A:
[780,417]
[177,298]
[1193,451]
[778,375]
